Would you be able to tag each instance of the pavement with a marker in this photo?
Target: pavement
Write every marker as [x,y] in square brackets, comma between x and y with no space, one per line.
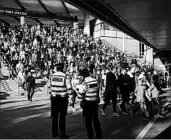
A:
[20,119]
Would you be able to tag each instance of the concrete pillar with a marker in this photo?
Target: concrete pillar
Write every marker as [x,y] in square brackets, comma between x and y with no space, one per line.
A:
[22,20]
[149,55]
[123,40]
[75,25]
[145,57]
[86,24]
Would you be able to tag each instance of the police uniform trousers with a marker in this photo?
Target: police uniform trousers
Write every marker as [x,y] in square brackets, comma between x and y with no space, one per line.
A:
[59,106]
[90,113]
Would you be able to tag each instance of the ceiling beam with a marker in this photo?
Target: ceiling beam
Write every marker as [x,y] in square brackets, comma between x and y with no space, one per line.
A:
[16,18]
[35,14]
[38,21]
[56,23]
[106,13]
[5,22]
[43,6]
[20,5]
[66,8]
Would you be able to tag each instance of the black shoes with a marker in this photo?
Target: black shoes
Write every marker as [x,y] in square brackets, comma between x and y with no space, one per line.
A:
[54,136]
[61,137]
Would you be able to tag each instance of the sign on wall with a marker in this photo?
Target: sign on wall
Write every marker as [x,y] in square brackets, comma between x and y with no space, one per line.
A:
[13,12]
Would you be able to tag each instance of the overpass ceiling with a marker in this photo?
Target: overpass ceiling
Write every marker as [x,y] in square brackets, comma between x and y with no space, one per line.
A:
[148,21]
[53,6]
[151,18]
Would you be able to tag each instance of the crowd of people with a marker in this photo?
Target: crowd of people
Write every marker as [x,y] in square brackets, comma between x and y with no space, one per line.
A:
[42,47]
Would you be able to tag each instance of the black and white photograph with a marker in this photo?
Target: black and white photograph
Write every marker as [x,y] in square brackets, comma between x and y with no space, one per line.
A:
[85,69]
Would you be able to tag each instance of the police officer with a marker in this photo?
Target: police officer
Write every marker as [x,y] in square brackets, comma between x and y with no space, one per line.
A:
[59,101]
[90,105]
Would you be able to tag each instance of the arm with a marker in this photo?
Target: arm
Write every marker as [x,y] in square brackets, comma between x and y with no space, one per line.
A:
[147,95]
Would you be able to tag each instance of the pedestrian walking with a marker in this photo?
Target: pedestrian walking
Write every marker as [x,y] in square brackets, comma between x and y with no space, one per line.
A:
[30,82]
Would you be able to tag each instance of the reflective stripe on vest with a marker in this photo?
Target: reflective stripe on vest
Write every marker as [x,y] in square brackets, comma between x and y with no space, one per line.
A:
[58,84]
[81,92]
[92,89]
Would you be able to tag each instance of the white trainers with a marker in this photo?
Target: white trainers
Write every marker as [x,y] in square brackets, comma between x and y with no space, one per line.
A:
[116,115]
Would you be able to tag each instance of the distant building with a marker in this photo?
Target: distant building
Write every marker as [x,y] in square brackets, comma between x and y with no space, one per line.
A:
[113,37]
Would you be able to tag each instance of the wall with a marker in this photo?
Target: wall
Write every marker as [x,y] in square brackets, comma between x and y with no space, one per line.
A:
[116,39]
[113,37]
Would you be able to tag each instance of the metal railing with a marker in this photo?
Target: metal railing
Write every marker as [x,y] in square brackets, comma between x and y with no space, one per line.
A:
[131,55]
[42,75]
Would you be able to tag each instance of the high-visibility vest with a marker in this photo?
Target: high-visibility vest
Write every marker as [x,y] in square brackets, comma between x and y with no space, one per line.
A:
[92,89]
[58,84]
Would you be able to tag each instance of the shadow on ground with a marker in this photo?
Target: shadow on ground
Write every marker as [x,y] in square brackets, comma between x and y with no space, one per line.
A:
[34,121]
[165,134]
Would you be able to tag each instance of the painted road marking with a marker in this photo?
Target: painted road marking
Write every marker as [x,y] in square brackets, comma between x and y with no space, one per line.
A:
[147,128]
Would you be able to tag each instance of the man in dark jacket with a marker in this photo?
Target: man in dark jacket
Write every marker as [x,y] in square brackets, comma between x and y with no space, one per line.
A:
[124,82]
[110,91]
[30,86]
